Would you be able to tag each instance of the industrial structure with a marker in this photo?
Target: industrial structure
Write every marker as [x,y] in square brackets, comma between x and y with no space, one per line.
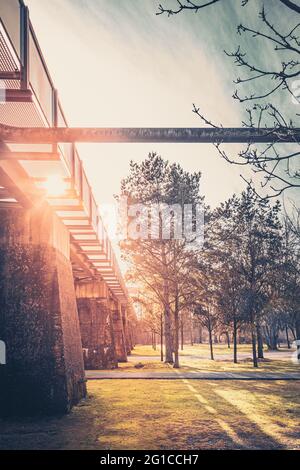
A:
[63,300]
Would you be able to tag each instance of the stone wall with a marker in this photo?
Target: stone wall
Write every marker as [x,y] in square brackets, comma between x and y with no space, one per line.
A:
[97,334]
[38,317]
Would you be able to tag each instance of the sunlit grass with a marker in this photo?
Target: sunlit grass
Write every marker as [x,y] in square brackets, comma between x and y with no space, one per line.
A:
[197,349]
[152,414]
[145,350]
[197,359]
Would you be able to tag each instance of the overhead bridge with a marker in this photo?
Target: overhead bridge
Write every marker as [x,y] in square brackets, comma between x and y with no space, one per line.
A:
[63,299]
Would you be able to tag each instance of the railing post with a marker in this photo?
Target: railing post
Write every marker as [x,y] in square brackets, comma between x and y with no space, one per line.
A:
[81,181]
[91,206]
[55,108]
[73,167]
[55,114]
[24,39]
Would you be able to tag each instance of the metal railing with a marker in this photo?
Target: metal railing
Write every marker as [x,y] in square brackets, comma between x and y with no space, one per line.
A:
[40,80]
[11,19]
[36,77]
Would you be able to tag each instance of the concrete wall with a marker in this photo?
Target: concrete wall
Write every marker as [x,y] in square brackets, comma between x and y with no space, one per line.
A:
[97,334]
[38,316]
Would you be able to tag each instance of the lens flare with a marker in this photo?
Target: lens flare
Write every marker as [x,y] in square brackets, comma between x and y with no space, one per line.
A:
[55,186]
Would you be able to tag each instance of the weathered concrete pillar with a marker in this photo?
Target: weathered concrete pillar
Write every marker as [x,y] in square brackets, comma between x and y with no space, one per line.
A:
[118,328]
[39,324]
[96,334]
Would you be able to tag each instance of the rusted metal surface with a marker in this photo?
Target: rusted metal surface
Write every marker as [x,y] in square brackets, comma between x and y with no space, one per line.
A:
[148,135]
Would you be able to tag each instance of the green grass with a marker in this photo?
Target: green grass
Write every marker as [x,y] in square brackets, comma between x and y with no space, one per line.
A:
[174,414]
[145,350]
[196,359]
[198,349]
[152,414]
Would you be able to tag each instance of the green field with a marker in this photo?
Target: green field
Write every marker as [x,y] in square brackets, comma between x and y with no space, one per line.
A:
[174,414]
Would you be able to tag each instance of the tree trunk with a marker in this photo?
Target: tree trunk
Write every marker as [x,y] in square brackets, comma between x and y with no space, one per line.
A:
[167,314]
[287,337]
[154,341]
[293,331]
[210,341]
[272,339]
[176,324]
[260,345]
[253,339]
[192,331]
[298,335]
[228,339]
[181,331]
[168,327]
[161,338]
[200,334]
[168,337]
[235,341]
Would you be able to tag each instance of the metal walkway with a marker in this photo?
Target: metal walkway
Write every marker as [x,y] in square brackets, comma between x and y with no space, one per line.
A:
[29,99]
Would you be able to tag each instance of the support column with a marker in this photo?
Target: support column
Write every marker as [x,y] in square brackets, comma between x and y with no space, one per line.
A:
[39,324]
[96,334]
[118,328]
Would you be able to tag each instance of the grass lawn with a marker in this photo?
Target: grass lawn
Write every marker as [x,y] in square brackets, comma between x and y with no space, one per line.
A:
[152,414]
[196,358]
[201,350]
[147,350]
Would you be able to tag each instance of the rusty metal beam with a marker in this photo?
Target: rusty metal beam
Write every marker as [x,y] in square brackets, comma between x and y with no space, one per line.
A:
[18,96]
[90,252]
[86,242]
[148,135]
[66,208]
[30,156]
[15,179]
[80,260]
[75,217]
[75,227]
[10,75]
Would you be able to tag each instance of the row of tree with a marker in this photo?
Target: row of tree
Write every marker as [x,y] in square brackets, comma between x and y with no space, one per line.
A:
[245,275]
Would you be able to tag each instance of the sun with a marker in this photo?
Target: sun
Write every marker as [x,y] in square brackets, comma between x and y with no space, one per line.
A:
[55,186]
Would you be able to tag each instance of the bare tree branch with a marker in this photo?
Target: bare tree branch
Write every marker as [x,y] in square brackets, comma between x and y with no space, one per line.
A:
[188,5]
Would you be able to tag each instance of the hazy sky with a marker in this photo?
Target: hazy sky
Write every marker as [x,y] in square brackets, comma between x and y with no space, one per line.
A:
[115,63]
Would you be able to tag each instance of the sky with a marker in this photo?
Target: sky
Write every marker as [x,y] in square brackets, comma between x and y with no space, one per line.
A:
[116,63]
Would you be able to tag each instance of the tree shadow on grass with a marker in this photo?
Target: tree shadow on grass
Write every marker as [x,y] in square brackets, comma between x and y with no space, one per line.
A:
[168,415]
[247,427]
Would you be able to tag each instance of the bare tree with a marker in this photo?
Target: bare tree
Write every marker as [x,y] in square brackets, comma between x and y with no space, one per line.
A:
[161,263]
[196,6]
[275,163]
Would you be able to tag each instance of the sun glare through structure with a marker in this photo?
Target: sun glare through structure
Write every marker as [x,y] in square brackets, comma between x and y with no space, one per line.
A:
[55,186]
